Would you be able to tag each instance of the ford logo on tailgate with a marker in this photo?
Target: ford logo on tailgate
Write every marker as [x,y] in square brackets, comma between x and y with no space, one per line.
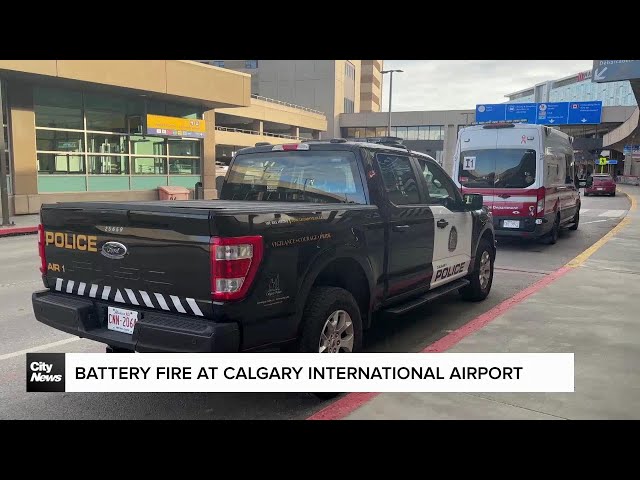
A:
[114,250]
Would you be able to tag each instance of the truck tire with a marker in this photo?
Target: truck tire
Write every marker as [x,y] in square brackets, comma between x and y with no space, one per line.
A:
[331,324]
[481,277]
[576,221]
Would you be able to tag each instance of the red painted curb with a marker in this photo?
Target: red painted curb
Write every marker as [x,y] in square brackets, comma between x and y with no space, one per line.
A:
[344,406]
[6,232]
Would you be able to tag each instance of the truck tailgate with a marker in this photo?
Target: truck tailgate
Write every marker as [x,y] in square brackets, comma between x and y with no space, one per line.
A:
[130,255]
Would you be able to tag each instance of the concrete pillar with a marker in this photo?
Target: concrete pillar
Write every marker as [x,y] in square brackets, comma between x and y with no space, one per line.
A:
[258,126]
[209,156]
[295,131]
[450,139]
[23,148]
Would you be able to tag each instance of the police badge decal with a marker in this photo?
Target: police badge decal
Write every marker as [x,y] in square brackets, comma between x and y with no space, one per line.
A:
[453,239]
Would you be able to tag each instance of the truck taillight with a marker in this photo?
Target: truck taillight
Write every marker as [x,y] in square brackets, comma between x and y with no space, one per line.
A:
[234,263]
[542,193]
[41,243]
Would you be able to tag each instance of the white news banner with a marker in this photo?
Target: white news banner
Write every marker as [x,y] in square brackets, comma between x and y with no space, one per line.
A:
[283,372]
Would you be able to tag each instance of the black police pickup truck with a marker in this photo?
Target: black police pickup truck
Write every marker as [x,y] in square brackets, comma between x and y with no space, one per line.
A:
[307,243]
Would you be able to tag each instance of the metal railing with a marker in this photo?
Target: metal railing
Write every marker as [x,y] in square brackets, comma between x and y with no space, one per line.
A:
[287,104]
[255,132]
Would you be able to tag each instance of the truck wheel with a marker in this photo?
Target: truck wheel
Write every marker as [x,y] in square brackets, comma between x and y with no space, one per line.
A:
[481,277]
[576,221]
[331,324]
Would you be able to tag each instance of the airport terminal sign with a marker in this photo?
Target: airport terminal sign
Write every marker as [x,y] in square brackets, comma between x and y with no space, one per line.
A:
[175,126]
[615,70]
[548,113]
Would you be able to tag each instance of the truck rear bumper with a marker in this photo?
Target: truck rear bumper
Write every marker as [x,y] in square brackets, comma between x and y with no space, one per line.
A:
[154,331]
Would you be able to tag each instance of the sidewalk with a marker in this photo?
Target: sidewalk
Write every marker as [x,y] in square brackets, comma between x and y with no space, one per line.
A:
[589,307]
[22,224]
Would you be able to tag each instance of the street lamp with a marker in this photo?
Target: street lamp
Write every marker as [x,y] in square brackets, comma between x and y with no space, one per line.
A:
[391,72]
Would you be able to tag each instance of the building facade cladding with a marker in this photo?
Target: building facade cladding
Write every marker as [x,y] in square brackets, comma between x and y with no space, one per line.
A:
[330,86]
[577,88]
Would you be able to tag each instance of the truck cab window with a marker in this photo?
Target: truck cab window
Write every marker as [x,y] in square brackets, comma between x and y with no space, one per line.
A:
[439,187]
[398,179]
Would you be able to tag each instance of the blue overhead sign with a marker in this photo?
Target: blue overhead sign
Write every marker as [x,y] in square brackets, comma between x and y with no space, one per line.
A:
[615,70]
[521,111]
[550,113]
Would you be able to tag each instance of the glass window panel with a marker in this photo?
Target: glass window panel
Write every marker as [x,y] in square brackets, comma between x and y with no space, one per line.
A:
[184,111]
[423,133]
[60,163]
[392,132]
[370,132]
[57,108]
[141,145]
[104,143]
[184,166]
[398,178]
[381,131]
[401,132]
[149,166]
[433,132]
[59,141]
[180,148]
[108,165]
[412,133]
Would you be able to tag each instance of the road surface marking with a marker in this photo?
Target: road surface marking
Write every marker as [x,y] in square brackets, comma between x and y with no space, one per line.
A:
[580,259]
[39,348]
[351,402]
[612,213]
[596,221]
[583,210]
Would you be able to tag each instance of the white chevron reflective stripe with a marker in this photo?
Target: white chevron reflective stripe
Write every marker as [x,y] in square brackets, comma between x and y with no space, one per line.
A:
[162,301]
[118,297]
[177,304]
[132,296]
[146,299]
[194,306]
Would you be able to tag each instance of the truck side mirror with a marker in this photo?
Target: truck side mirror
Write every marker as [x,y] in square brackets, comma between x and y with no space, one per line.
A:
[472,201]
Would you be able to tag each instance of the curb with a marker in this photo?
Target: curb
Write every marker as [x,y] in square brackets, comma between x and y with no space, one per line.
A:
[342,407]
[14,231]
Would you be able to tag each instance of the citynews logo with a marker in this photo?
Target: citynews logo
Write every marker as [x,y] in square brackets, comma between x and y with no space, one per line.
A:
[45,372]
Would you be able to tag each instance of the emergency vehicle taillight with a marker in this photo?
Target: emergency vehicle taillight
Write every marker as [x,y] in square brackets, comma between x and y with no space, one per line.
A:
[41,252]
[542,193]
[291,146]
[234,263]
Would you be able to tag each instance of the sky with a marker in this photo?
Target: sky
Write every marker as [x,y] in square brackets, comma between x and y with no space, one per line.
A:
[461,84]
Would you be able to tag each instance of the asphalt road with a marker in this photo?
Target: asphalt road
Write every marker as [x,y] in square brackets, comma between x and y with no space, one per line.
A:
[518,264]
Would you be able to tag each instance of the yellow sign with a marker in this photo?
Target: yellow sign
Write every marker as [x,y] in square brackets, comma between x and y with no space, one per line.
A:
[175,126]
[603,160]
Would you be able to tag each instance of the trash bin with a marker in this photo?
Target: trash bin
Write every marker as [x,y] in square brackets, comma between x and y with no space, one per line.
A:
[173,193]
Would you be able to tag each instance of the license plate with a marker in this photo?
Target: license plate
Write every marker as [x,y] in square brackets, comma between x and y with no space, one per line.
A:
[511,224]
[600,188]
[121,320]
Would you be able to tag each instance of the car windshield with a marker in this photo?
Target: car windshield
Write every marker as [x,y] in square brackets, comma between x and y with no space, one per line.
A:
[295,176]
[497,168]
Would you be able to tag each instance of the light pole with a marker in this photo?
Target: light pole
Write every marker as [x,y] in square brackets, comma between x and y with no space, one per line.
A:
[390,72]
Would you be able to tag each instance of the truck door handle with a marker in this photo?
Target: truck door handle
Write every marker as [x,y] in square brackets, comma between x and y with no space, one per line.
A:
[400,228]
[442,223]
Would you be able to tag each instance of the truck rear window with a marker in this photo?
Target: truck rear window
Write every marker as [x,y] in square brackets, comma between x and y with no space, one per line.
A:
[295,176]
[499,168]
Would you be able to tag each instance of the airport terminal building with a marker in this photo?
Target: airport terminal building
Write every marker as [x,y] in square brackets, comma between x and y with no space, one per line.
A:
[104,130]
